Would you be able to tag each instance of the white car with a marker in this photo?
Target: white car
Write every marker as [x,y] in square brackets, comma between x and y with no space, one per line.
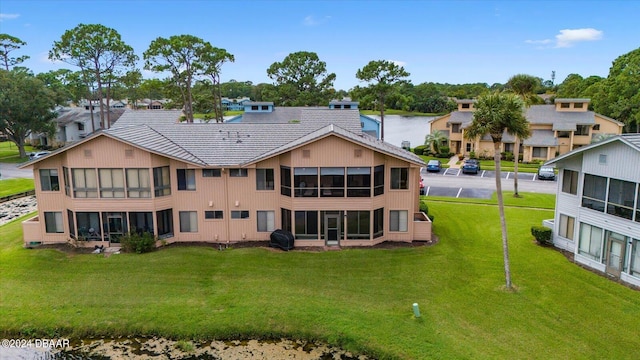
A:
[39,154]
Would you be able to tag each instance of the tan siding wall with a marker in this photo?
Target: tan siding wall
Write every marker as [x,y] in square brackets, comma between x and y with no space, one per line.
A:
[223,193]
[607,126]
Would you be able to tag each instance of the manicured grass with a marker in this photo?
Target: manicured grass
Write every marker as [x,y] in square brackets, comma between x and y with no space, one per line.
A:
[359,299]
[15,186]
[444,161]
[9,152]
[530,200]
[508,166]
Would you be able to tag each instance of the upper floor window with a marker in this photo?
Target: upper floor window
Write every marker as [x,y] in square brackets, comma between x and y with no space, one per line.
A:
[67,183]
[455,128]
[564,134]
[213,214]
[138,183]
[594,192]
[186,179]
[254,107]
[211,173]
[582,130]
[465,106]
[621,198]
[264,107]
[264,179]
[596,127]
[238,173]
[358,182]
[570,181]
[49,180]
[85,183]
[285,180]
[332,182]
[565,105]
[399,178]
[240,214]
[378,180]
[578,105]
[161,181]
[305,181]
[111,183]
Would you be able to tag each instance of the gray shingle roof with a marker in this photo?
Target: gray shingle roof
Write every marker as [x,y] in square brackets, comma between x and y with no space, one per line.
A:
[541,138]
[633,140]
[547,114]
[238,144]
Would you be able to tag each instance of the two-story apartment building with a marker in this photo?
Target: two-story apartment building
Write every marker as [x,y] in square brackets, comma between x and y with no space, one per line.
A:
[317,175]
[597,215]
[555,129]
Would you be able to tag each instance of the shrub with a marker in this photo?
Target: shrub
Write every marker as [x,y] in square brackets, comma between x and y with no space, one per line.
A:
[138,242]
[421,150]
[542,234]
[444,150]
[472,155]
[424,207]
[508,156]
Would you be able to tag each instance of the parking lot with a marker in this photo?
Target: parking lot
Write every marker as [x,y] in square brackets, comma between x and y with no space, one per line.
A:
[453,183]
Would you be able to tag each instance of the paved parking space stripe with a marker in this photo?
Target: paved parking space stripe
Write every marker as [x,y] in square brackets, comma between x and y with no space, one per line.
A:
[458,195]
[427,192]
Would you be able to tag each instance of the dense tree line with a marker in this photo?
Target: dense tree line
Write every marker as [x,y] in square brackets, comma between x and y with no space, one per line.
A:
[105,70]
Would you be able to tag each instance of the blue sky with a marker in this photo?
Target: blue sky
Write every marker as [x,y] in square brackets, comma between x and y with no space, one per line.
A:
[436,41]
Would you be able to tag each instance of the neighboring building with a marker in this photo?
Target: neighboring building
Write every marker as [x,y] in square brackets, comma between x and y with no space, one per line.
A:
[73,124]
[234,104]
[555,129]
[267,112]
[316,174]
[597,214]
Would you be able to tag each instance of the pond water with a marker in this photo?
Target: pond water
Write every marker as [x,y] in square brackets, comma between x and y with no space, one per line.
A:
[405,128]
[136,348]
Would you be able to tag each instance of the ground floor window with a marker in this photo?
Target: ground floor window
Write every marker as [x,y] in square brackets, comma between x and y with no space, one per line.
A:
[286,219]
[398,220]
[72,227]
[140,222]
[53,222]
[566,226]
[164,218]
[240,214]
[358,225]
[590,242]
[213,214]
[306,223]
[266,220]
[539,152]
[188,221]
[88,226]
[378,222]
[635,258]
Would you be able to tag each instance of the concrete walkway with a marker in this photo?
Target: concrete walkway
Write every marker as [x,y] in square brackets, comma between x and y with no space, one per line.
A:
[453,162]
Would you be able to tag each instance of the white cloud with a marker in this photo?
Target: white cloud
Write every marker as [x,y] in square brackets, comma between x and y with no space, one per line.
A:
[313,21]
[4,17]
[568,37]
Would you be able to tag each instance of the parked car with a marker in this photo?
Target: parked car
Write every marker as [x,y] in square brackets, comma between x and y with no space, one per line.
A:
[546,173]
[434,166]
[422,192]
[39,154]
[471,166]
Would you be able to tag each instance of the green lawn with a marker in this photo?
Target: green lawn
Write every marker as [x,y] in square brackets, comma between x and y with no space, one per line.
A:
[508,166]
[358,299]
[9,152]
[15,186]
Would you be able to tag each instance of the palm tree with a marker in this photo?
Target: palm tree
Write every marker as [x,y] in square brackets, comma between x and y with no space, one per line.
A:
[495,114]
[434,140]
[524,86]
